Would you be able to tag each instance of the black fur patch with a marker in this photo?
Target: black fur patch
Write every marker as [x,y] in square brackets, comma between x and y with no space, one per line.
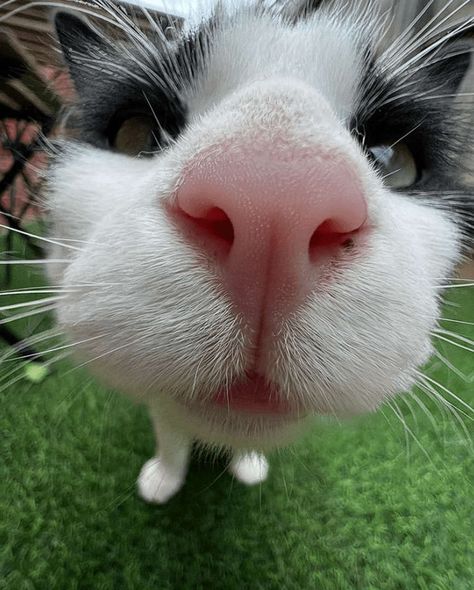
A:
[418,107]
[302,9]
[114,79]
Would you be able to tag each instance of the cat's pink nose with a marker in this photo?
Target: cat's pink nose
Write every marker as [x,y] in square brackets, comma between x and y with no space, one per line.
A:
[270,222]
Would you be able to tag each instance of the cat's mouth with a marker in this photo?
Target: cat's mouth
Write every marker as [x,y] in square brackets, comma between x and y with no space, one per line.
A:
[252,395]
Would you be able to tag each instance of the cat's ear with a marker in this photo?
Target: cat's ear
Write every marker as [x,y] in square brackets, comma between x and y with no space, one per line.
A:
[301,9]
[450,56]
[81,46]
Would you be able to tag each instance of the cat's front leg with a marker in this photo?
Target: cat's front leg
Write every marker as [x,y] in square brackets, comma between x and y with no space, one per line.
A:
[164,474]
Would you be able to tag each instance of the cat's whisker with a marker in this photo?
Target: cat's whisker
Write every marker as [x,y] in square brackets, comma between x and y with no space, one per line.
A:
[406,71]
[143,46]
[155,117]
[147,49]
[96,66]
[439,59]
[449,409]
[405,136]
[79,6]
[406,400]
[424,409]
[451,367]
[438,44]
[69,288]
[40,238]
[49,146]
[426,33]
[402,98]
[16,352]
[450,196]
[403,38]
[398,97]
[63,347]
[111,16]
[35,292]
[109,352]
[451,334]
[20,375]
[464,285]
[443,319]
[43,301]
[22,316]
[408,431]
[27,345]
[68,400]
[452,342]
[391,174]
[34,262]
[77,241]
[31,341]
[454,279]
[158,31]
[406,82]
[452,411]
[435,384]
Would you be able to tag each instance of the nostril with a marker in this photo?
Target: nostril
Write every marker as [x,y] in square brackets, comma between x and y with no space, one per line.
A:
[218,224]
[212,229]
[326,239]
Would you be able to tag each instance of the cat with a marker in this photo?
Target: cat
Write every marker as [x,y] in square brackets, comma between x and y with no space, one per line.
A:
[256,216]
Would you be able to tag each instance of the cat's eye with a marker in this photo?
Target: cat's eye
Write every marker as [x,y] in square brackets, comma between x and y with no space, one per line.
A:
[135,135]
[397,163]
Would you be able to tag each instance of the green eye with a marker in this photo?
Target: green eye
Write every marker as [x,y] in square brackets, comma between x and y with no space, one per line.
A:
[135,135]
[397,164]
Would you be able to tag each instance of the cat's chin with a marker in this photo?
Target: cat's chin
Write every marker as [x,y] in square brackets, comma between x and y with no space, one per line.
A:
[250,411]
[224,426]
[216,411]
[249,398]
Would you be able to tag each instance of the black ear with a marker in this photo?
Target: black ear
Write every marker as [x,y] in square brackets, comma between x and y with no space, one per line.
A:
[309,6]
[80,44]
[451,58]
[301,9]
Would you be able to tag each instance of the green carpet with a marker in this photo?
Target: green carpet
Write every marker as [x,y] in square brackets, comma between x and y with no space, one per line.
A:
[369,504]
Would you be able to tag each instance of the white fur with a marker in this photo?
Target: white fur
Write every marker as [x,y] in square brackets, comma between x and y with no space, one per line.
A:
[166,333]
[157,483]
[249,468]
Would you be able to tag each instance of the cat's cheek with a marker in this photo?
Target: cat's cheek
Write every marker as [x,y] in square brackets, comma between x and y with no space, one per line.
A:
[372,328]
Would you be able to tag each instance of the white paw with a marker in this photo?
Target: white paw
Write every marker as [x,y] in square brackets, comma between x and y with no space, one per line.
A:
[250,468]
[156,483]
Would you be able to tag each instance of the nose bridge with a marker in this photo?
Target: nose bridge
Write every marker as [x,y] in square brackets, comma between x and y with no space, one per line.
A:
[271,111]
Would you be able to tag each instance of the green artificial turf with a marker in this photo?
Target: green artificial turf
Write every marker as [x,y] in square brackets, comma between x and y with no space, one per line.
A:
[369,504]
